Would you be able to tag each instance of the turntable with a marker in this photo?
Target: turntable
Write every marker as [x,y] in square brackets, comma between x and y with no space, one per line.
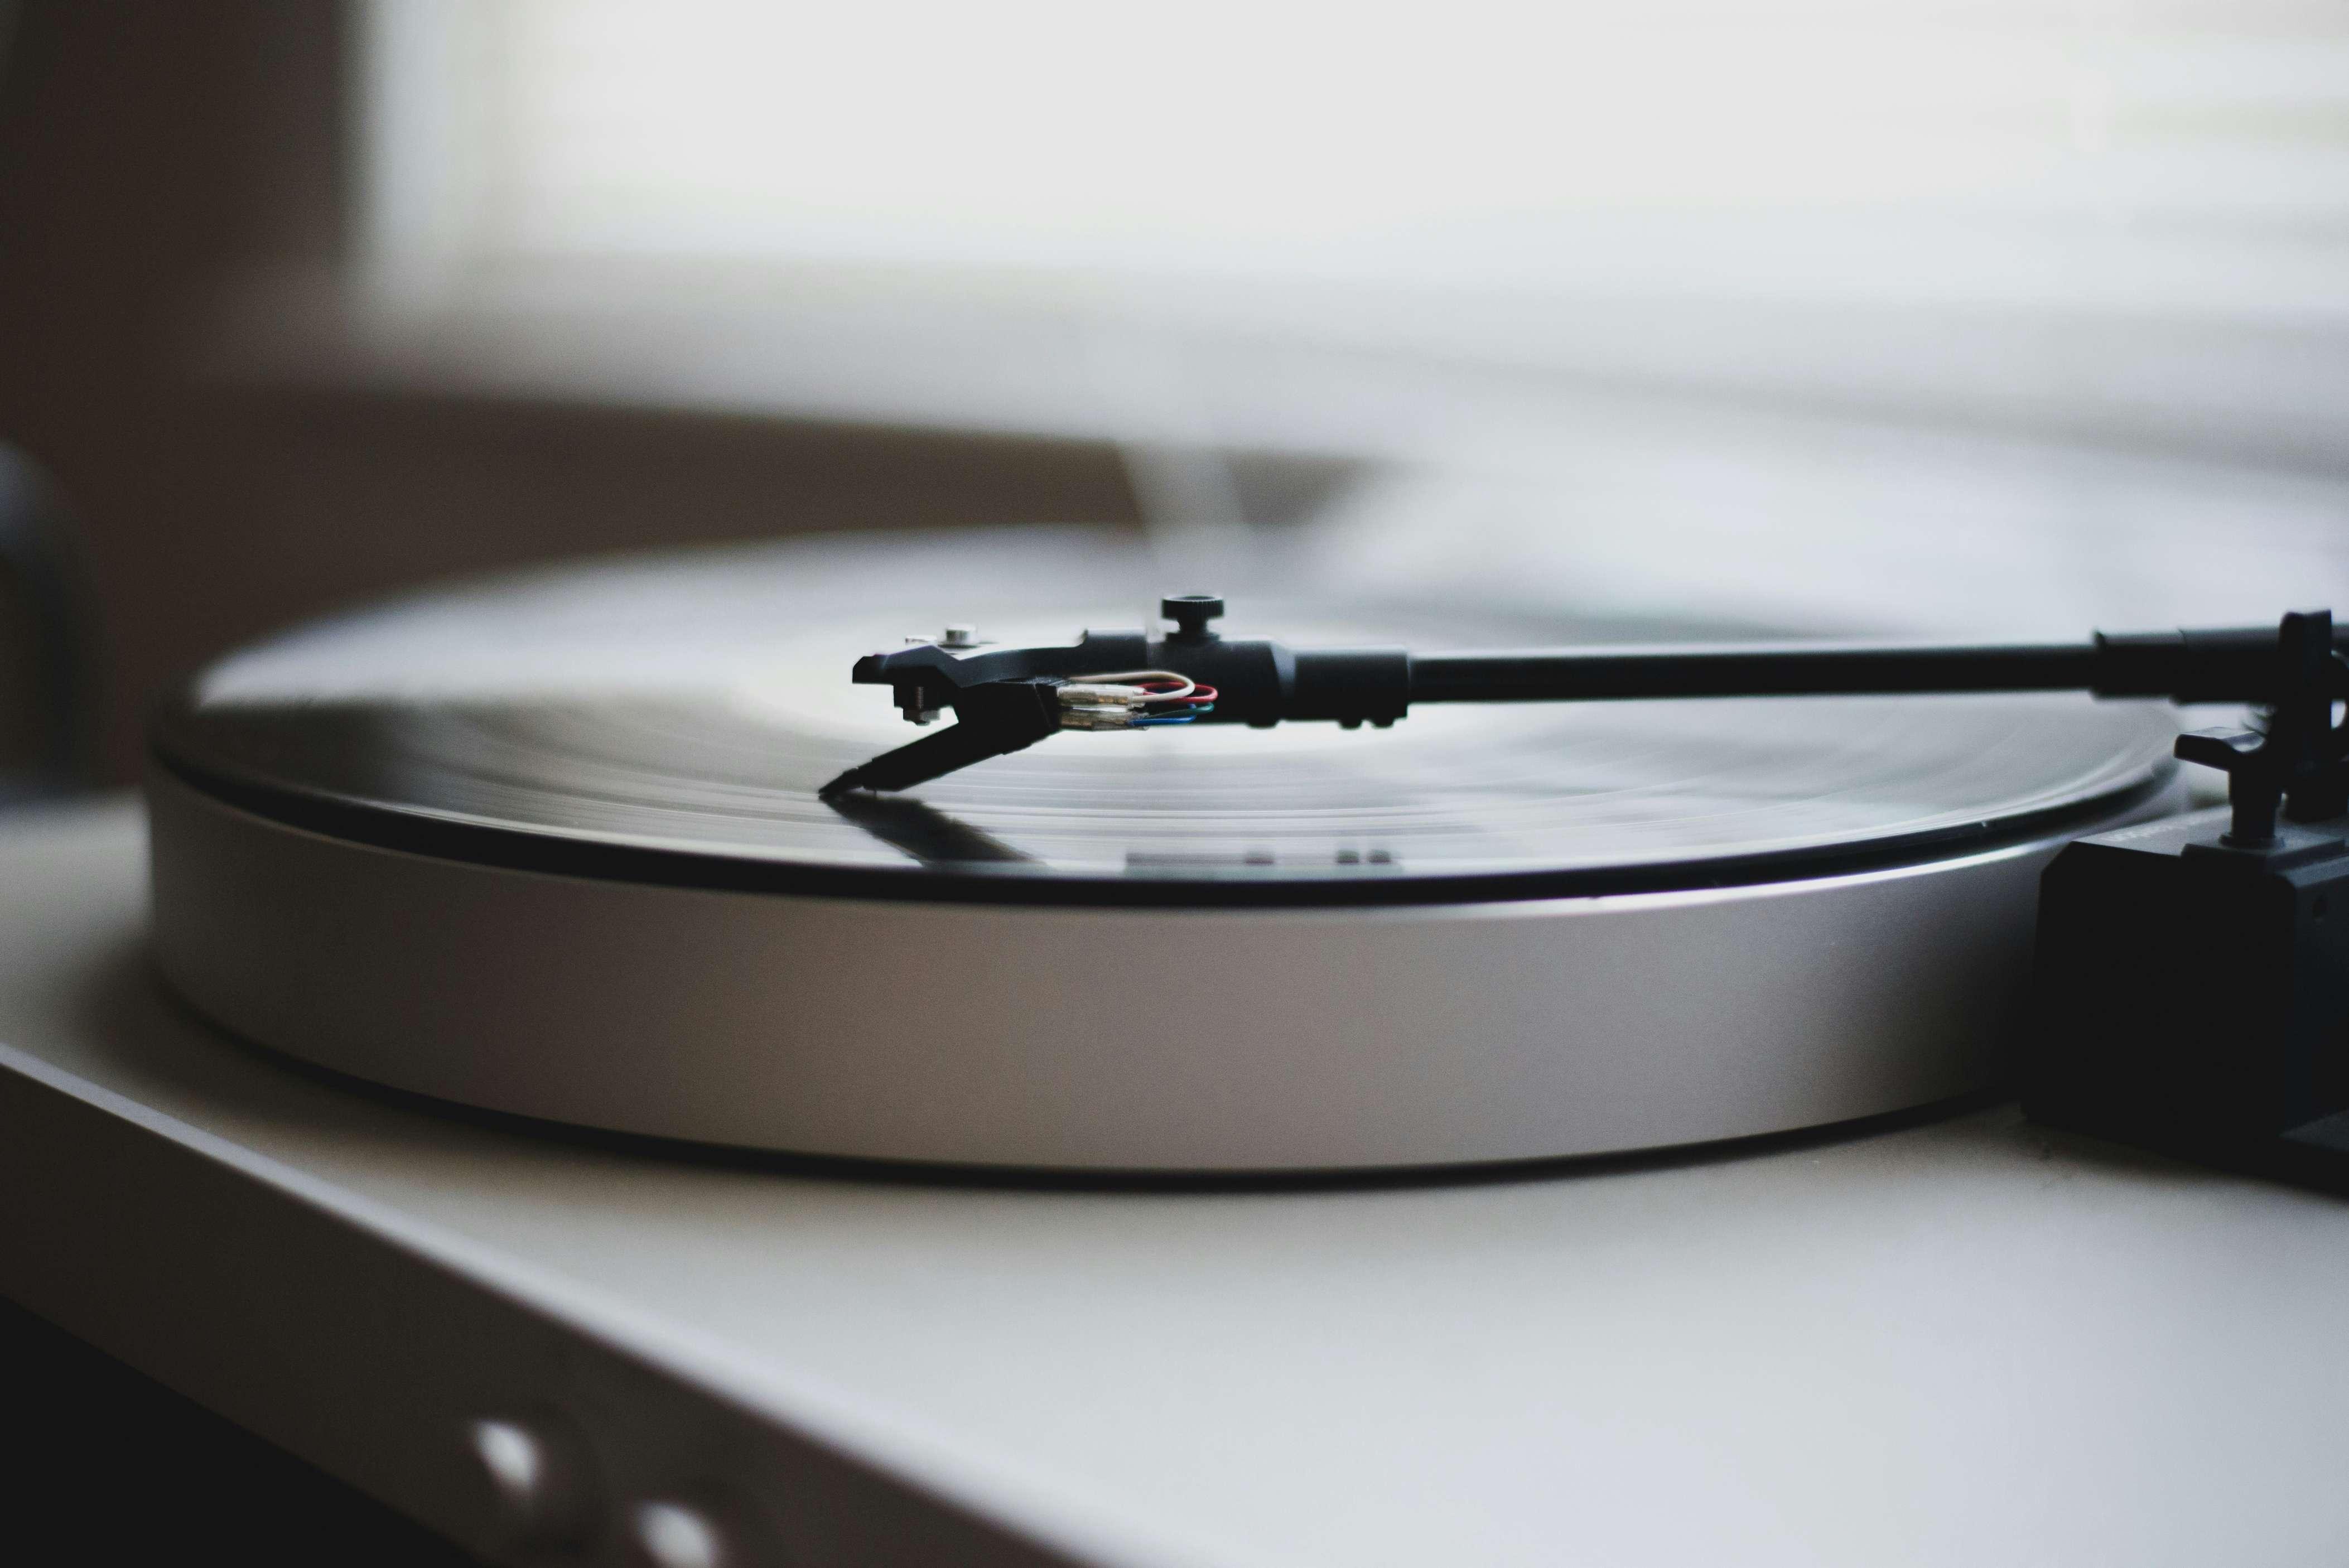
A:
[580,847]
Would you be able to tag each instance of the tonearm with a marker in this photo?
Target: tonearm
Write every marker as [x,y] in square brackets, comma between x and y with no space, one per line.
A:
[1006,700]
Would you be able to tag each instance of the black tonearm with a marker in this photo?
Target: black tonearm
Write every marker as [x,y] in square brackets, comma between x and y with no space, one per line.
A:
[1004,700]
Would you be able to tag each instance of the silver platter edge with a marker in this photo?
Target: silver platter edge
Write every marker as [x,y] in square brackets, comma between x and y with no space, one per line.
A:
[1267,1040]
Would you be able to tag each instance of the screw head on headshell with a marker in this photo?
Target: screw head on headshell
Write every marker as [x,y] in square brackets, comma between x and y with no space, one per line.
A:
[1191,613]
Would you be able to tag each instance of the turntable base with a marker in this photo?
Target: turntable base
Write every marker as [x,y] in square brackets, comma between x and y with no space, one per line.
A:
[940,1031]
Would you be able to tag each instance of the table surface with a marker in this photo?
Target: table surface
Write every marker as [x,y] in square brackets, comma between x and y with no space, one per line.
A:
[1961,1341]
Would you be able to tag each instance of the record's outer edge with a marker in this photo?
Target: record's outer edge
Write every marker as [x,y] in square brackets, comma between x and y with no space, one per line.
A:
[1301,1038]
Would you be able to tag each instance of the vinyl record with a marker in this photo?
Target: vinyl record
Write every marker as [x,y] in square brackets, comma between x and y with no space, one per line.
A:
[673,723]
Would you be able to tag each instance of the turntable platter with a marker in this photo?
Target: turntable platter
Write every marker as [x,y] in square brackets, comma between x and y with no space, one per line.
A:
[553,846]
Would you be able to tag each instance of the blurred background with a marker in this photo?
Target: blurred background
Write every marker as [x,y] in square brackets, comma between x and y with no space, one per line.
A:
[1962,316]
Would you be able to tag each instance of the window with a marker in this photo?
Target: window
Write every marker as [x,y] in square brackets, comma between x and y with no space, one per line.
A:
[1558,180]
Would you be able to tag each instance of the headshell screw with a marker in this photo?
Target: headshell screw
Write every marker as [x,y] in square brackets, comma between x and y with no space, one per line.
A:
[1191,613]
